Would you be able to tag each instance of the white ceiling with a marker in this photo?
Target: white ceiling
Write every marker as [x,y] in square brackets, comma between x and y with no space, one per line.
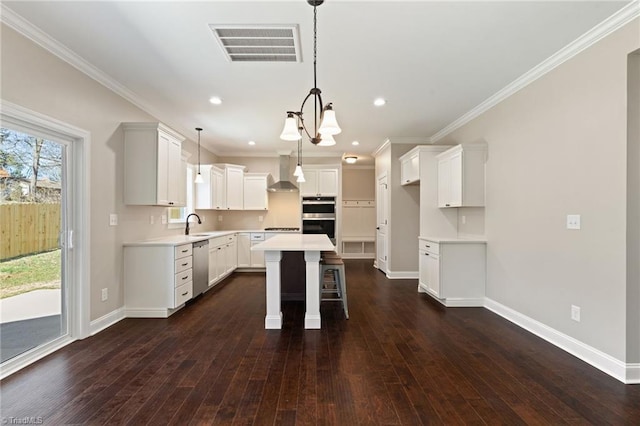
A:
[432,61]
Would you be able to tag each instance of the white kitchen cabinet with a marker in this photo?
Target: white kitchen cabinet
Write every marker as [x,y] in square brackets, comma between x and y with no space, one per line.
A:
[461,176]
[255,195]
[319,182]
[157,279]
[222,187]
[410,167]
[244,250]
[453,271]
[222,258]
[210,192]
[257,257]
[231,254]
[152,165]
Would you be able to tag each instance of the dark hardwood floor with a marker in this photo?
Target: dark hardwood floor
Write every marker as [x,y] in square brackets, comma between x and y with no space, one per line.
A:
[401,358]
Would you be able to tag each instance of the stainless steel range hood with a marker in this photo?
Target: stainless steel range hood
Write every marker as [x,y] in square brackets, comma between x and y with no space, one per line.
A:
[283,185]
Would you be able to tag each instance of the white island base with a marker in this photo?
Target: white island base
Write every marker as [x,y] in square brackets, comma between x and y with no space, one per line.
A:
[312,245]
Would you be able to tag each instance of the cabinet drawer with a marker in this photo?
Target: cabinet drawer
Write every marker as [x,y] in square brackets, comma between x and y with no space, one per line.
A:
[430,246]
[231,238]
[217,242]
[183,251]
[184,264]
[183,277]
[257,236]
[183,293]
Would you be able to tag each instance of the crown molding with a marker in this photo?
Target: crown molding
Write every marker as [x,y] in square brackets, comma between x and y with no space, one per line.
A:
[597,33]
[381,148]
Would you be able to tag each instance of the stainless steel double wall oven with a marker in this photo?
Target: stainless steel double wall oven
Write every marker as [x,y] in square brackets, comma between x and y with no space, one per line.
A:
[319,216]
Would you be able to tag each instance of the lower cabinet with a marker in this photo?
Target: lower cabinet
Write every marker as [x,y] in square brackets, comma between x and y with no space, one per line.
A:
[223,258]
[157,279]
[453,271]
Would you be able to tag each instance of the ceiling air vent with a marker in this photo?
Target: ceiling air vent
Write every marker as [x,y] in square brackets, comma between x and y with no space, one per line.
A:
[243,43]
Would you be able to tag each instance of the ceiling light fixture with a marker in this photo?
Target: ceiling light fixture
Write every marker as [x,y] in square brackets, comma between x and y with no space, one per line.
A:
[252,143]
[355,143]
[325,116]
[198,178]
[350,159]
[215,100]
[379,102]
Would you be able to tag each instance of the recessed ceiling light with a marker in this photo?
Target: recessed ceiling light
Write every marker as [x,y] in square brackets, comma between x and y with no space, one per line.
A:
[355,143]
[252,143]
[216,100]
[379,102]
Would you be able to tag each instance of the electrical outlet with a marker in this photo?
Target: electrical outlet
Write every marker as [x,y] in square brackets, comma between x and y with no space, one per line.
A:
[573,221]
[113,219]
[105,294]
[163,219]
[575,313]
[204,219]
[464,219]
[220,218]
[260,218]
[152,220]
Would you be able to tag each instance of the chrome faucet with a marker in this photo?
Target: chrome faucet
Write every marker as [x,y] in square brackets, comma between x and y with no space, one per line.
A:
[186,229]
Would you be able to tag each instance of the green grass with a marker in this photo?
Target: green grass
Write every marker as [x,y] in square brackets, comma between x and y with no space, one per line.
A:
[34,272]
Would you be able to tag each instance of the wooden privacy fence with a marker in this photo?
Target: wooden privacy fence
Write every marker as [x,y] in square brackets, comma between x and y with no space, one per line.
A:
[27,228]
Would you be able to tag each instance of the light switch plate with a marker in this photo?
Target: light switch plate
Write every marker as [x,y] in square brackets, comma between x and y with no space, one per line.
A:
[573,221]
[113,219]
[163,219]
[575,313]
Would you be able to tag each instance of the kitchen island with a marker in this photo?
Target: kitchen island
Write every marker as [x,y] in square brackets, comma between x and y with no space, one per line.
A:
[312,245]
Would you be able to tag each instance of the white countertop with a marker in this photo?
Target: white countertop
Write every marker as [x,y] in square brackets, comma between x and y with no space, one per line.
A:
[176,240]
[453,240]
[296,242]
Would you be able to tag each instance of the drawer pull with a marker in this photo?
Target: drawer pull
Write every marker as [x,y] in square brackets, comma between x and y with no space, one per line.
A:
[427,246]
[185,250]
[184,264]
[426,254]
[185,277]
[185,293]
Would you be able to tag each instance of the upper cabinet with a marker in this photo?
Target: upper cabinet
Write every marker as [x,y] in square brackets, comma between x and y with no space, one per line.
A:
[410,167]
[255,191]
[319,182]
[153,170]
[222,187]
[461,176]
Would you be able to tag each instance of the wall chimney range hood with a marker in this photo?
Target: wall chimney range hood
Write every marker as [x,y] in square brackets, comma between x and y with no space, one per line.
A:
[283,185]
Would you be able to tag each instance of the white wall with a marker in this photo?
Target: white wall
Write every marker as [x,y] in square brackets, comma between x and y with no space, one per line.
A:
[558,147]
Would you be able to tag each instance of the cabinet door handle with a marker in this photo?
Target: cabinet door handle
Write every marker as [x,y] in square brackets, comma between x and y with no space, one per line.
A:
[407,180]
[426,254]
[447,205]
[219,248]
[185,293]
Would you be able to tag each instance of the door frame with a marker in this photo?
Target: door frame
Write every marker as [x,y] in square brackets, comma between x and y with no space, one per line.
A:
[78,238]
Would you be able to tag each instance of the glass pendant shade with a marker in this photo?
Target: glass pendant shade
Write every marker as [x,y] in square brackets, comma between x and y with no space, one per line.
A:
[327,140]
[298,171]
[301,178]
[329,125]
[198,178]
[290,131]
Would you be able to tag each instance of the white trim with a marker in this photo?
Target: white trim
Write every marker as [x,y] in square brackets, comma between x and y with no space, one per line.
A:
[402,275]
[591,37]
[23,360]
[381,148]
[626,373]
[107,320]
[149,312]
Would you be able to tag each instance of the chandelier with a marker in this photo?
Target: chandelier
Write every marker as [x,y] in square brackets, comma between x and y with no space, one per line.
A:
[323,114]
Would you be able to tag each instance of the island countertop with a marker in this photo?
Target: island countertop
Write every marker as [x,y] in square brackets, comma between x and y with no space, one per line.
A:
[296,242]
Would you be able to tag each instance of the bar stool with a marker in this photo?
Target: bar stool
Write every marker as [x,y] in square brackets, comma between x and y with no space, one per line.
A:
[337,286]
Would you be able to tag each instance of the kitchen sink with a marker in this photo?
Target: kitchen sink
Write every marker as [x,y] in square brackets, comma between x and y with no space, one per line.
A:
[198,235]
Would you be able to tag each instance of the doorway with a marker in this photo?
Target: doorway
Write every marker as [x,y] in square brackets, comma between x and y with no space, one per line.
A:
[382,222]
[44,258]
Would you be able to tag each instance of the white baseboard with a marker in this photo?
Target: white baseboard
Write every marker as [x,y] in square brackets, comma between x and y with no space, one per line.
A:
[464,302]
[626,373]
[147,313]
[402,275]
[96,326]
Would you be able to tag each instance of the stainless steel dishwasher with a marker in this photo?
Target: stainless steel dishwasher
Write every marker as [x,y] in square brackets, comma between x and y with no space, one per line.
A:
[200,267]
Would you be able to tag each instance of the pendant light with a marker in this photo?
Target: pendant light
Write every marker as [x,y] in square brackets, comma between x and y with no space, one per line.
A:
[323,114]
[298,172]
[198,178]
